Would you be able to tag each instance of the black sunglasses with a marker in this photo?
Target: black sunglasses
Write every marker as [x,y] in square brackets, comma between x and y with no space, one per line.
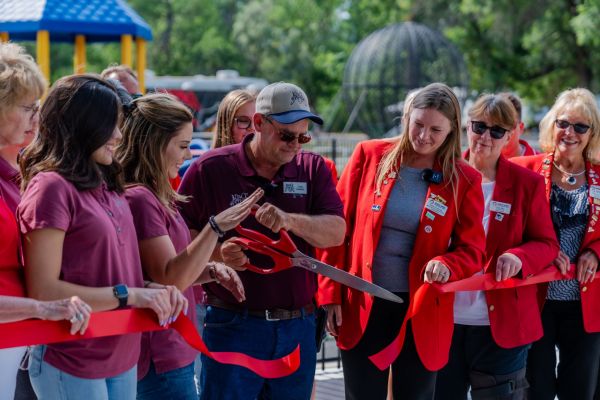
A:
[496,132]
[243,122]
[289,137]
[577,128]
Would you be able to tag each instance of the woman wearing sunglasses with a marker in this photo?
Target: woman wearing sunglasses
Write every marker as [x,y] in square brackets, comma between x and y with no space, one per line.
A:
[403,200]
[570,136]
[493,329]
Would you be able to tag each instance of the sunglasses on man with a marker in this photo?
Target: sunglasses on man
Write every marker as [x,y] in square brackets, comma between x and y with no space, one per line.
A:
[289,137]
[577,128]
[496,132]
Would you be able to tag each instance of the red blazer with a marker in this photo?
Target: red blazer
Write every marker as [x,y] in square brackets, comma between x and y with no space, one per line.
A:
[590,293]
[527,232]
[460,246]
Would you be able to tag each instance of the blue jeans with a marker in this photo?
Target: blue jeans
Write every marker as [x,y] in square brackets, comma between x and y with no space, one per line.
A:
[226,330]
[200,315]
[177,384]
[50,383]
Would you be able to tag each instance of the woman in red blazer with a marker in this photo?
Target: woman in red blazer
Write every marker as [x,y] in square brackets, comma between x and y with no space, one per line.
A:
[493,329]
[570,136]
[413,210]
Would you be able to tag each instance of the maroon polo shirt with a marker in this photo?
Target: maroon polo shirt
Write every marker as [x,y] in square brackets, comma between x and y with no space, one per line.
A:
[223,177]
[100,249]
[10,180]
[167,349]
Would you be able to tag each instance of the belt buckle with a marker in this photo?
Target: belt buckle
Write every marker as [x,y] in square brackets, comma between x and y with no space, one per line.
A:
[268,316]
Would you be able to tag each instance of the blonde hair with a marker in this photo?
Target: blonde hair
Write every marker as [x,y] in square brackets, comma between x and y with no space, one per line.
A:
[150,123]
[230,104]
[580,100]
[20,77]
[496,108]
[435,96]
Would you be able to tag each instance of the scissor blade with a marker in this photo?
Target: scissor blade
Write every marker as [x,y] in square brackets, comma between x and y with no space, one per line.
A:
[347,279]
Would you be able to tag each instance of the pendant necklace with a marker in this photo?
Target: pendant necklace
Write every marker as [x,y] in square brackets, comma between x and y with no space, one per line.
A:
[571,178]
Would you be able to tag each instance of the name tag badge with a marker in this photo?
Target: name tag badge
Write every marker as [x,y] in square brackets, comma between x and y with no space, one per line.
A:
[376,207]
[500,207]
[294,187]
[436,207]
[595,191]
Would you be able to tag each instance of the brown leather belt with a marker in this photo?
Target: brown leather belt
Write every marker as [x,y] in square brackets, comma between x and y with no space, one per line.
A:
[275,314]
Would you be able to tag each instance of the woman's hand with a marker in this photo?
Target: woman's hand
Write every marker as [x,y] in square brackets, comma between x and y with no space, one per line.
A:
[587,264]
[231,217]
[562,262]
[158,300]
[435,271]
[179,303]
[229,279]
[508,265]
[74,310]
[334,318]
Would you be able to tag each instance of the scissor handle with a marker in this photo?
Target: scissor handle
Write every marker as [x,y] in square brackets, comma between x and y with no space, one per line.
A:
[284,244]
[281,261]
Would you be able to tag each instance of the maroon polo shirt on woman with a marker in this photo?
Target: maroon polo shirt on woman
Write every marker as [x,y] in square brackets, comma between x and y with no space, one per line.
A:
[166,349]
[100,249]
[223,177]
[10,180]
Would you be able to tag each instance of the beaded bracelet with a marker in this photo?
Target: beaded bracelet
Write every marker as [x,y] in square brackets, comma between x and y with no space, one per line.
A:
[214,226]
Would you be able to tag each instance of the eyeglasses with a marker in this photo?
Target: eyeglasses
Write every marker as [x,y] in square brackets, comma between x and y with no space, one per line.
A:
[577,128]
[243,122]
[289,137]
[32,109]
[496,132]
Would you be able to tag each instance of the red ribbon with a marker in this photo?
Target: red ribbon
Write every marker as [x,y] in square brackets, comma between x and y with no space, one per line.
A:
[384,358]
[109,323]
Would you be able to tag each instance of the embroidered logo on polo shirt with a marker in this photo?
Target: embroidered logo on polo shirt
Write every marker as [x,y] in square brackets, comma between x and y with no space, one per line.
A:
[237,198]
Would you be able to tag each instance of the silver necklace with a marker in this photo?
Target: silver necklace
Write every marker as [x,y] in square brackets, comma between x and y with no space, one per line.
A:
[571,178]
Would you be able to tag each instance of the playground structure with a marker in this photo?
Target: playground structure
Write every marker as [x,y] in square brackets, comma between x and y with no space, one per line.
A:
[78,22]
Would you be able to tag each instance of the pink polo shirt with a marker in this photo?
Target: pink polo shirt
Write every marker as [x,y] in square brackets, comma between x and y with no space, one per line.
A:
[166,349]
[100,249]
[10,180]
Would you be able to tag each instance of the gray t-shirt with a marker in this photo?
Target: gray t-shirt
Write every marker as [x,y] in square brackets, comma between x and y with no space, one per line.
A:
[400,225]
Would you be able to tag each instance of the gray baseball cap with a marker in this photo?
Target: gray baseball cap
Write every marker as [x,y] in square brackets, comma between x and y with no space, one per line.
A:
[286,103]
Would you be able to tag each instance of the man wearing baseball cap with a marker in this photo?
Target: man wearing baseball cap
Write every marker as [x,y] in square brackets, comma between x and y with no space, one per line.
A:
[278,312]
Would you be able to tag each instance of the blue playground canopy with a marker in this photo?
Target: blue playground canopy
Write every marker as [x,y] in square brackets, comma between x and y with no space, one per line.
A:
[98,20]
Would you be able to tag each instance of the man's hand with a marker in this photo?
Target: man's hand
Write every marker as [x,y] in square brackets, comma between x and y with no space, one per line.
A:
[233,255]
[273,218]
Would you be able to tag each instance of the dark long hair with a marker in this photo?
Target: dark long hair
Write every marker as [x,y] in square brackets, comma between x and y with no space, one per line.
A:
[79,116]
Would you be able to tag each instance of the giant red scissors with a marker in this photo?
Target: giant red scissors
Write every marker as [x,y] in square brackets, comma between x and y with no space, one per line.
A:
[285,254]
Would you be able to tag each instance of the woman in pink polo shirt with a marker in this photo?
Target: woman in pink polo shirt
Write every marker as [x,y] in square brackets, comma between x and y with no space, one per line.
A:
[157,131]
[21,85]
[79,239]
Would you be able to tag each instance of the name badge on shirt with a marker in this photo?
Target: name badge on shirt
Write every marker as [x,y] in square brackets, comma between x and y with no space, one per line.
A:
[500,207]
[436,207]
[595,191]
[294,187]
